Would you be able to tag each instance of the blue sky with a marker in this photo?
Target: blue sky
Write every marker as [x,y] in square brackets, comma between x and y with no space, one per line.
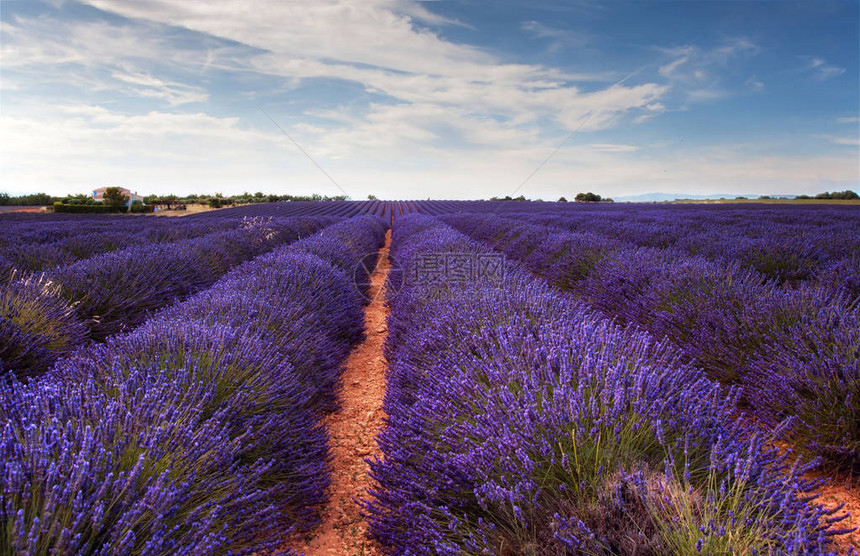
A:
[446,100]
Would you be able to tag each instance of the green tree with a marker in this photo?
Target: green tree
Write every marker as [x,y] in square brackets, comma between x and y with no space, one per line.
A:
[79,199]
[114,197]
[587,197]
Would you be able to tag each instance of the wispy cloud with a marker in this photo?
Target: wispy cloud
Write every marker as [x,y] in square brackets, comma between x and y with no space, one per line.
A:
[754,84]
[851,141]
[375,44]
[163,91]
[54,149]
[821,70]
[701,72]
[612,148]
[175,94]
[558,38]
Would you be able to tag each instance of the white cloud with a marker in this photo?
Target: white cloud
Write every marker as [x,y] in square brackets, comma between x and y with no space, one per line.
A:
[543,31]
[377,44]
[69,148]
[848,120]
[672,69]
[840,140]
[701,73]
[558,38]
[851,141]
[174,93]
[447,119]
[372,32]
[821,70]
[754,84]
[74,147]
[613,148]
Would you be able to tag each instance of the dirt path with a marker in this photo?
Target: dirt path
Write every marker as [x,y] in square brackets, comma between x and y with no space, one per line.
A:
[843,490]
[352,432]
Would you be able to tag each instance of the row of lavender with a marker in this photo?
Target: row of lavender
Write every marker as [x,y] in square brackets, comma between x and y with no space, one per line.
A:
[44,316]
[386,210]
[786,245]
[521,421]
[38,242]
[795,350]
[199,432]
[35,247]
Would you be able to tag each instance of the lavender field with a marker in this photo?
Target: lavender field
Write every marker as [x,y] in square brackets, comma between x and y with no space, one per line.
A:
[561,378]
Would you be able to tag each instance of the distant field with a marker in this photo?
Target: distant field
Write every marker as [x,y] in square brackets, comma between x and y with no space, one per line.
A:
[191,209]
[767,201]
[20,209]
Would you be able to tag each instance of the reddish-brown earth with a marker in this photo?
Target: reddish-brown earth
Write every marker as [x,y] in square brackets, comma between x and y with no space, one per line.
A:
[352,432]
[843,489]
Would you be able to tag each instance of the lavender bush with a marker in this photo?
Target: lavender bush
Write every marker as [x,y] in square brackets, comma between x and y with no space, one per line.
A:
[522,422]
[197,433]
[815,374]
[115,291]
[725,317]
[37,325]
[91,238]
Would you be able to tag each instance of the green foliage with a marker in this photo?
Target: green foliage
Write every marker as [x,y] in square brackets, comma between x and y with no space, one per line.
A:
[80,199]
[36,199]
[509,198]
[562,200]
[114,197]
[97,208]
[138,207]
[591,198]
[372,198]
[844,195]
[258,197]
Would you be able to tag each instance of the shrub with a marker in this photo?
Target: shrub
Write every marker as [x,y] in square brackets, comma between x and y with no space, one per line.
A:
[521,422]
[115,291]
[36,325]
[813,372]
[129,466]
[195,433]
[138,207]
[93,209]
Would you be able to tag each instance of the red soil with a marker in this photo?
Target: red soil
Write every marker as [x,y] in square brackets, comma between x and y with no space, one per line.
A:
[843,489]
[352,432]
[21,209]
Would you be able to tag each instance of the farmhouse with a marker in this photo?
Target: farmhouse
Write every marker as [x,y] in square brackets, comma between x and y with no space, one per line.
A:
[98,195]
